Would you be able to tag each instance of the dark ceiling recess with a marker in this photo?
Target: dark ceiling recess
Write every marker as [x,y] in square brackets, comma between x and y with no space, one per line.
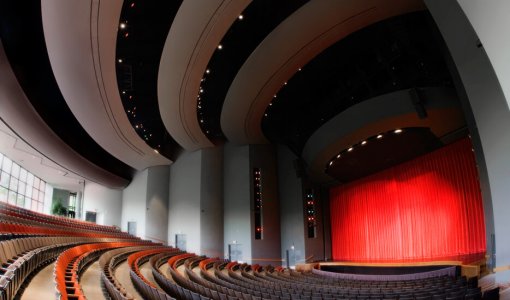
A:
[380,153]
[22,35]
[143,29]
[391,55]
[246,33]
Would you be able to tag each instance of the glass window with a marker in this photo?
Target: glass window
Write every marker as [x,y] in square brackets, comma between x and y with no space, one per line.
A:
[3,194]
[28,202]
[30,179]
[23,175]
[12,198]
[34,205]
[28,192]
[13,185]
[4,179]
[6,165]
[37,181]
[20,200]
[21,188]
[15,170]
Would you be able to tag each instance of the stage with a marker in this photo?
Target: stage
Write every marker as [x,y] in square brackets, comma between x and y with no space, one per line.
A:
[473,265]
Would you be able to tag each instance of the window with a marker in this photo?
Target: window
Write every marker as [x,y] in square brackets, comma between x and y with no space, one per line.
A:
[20,187]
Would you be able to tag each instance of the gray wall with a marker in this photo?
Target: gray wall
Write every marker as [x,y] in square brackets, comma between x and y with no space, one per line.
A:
[134,203]
[156,225]
[266,250]
[490,111]
[291,206]
[315,246]
[106,202]
[184,207]
[236,195]
[211,202]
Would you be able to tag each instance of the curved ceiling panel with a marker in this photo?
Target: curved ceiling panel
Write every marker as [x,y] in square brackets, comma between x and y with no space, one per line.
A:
[438,109]
[289,47]
[187,51]
[23,120]
[82,57]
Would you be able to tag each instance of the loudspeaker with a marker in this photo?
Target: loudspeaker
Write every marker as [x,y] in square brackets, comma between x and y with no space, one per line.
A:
[418,103]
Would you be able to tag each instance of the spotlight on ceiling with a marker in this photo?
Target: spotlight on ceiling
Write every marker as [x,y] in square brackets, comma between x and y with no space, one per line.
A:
[220,47]
[379,136]
[330,163]
[207,71]
[350,149]
[338,156]
[363,143]
[120,60]
[240,17]
[122,25]
[398,131]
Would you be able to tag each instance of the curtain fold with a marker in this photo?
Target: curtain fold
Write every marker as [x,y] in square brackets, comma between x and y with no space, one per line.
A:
[425,209]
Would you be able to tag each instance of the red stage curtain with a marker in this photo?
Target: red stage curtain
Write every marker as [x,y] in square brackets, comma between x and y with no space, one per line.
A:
[424,209]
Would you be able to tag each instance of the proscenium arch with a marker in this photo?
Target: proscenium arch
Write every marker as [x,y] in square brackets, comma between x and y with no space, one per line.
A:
[289,47]
[381,114]
[195,34]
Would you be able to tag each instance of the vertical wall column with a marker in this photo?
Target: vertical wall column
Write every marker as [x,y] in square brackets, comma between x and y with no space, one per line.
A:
[484,91]
[266,249]
[105,202]
[196,203]
[145,204]
[291,207]
[237,205]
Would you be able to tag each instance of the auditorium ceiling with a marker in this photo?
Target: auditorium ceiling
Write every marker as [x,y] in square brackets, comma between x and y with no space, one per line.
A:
[131,84]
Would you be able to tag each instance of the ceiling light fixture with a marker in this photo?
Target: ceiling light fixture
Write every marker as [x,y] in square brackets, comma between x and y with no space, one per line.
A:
[363,143]
[122,25]
[397,131]
[338,156]
[330,163]
[240,17]
[379,136]
[120,60]
[220,47]
[350,149]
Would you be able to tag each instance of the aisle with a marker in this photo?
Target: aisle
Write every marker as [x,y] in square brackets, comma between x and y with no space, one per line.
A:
[122,275]
[41,286]
[146,270]
[90,282]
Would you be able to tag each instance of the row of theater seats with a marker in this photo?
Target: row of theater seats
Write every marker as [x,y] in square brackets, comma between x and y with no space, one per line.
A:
[29,244]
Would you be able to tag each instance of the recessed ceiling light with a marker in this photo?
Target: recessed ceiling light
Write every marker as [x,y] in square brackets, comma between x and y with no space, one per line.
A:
[299,69]
[379,136]
[338,156]
[240,17]
[330,163]
[207,71]
[120,60]
[398,130]
[122,25]
[363,143]
[156,151]
[220,46]
[350,149]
